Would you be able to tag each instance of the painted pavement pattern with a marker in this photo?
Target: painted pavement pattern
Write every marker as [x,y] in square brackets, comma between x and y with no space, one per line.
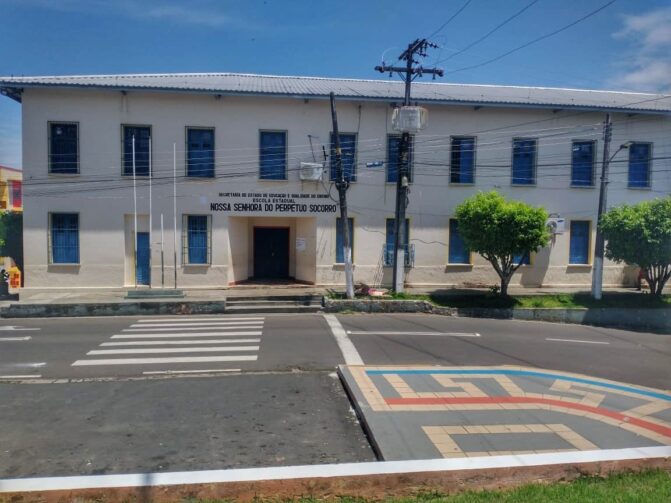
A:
[428,412]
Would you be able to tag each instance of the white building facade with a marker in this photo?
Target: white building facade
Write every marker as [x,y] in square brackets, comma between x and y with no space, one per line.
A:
[224,152]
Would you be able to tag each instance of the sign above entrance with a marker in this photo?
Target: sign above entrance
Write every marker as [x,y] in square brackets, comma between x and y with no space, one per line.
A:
[271,202]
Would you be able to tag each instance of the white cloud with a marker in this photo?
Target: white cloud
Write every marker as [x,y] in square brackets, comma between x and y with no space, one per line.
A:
[647,65]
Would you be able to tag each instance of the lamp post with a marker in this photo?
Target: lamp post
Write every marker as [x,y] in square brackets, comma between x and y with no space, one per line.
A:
[597,274]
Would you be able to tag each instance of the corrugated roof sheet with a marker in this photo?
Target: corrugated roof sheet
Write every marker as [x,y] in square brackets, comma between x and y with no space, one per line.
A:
[389,90]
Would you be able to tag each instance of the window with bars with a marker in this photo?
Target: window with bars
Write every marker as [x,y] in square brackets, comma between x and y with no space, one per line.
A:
[458,252]
[64,238]
[393,157]
[340,258]
[462,160]
[579,243]
[142,135]
[522,259]
[524,161]
[639,165]
[196,240]
[273,155]
[64,148]
[582,163]
[347,156]
[200,152]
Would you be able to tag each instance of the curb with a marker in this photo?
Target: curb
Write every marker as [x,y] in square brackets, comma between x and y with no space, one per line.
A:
[653,319]
[113,309]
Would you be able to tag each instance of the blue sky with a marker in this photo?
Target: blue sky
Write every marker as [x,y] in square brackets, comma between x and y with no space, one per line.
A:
[625,46]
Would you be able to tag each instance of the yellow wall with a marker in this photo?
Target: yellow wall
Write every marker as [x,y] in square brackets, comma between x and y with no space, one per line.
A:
[7,175]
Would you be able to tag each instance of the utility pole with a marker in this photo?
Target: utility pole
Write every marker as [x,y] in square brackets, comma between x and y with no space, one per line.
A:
[342,184]
[597,274]
[409,73]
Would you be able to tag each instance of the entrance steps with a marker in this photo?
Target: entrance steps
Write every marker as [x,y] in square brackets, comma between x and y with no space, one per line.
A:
[274,304]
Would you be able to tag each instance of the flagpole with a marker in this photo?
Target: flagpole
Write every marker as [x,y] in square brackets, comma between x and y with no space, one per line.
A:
[134,217]
[174,207]
[151,174]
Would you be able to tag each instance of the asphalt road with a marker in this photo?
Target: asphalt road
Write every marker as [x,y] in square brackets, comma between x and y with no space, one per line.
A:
[116,395]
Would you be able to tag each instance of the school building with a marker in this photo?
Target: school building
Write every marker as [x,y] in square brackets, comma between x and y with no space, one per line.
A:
[231,175]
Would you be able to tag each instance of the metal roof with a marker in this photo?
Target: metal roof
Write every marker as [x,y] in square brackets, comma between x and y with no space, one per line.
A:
[367,90]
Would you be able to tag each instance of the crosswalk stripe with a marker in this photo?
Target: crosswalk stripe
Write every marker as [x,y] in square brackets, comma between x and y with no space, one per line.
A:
[179,320]
[197,324]
[192,334]
[131,351]
[180,359]
[206,327]
[160,343]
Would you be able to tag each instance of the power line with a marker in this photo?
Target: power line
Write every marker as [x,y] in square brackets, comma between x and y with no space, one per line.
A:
[449,20]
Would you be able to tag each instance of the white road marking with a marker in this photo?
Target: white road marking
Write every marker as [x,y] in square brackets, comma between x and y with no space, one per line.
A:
[326,471]
[198,324]
[206,327]
[204,371]
[439,334]
[218,349]
[32,376]
[168,320]
[7,339]
[161,343]
[193,334]
[576,340]
[346,346]
[16,329]
[143,361]
[22,365]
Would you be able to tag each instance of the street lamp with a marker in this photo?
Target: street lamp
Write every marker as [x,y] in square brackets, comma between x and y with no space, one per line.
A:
[597,274]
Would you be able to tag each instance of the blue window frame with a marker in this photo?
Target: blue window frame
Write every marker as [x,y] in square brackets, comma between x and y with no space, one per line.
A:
[340,258]
[389,244]
[64,238]
[142,136]
[524,161]
[579,246]
[523,259]
[393,145]
[200,152]
[639,165]
[63,147]
[273,155]
[462,160]
[198,249]
[347,155]
[458,252]
[582,163]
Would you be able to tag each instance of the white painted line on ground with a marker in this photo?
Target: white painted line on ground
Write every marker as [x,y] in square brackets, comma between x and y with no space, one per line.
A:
[576,340]
[16,329]
[7,339]
[327,471]
[185,359]
[204,371]
[161,343]
[22,365]
[439,334]
[191,318]
[198,324]
[206,327]
[193,334]
[218,349]
[32,376]
[346,346]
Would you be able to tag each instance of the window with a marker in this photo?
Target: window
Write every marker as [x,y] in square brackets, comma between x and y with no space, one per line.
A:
[523,259]
[389,244]
[200,152]
[273,154]
[579,247]
[639,165]
[524,162]
[63,148]
[348,156]
[142,135]
[340,258]
[458,252]
[64,235]
[393,145]
[582,164]
[462,160]
[16,194]
[197,248]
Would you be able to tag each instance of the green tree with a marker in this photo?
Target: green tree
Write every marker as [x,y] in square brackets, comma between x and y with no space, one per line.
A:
[499,230]
[11,236]
[640,234]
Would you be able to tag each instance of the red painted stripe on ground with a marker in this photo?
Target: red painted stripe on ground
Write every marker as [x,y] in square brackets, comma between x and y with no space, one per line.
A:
[662,430]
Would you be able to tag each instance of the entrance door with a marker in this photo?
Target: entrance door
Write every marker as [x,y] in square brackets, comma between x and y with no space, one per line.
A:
[142,263]
[271,252]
